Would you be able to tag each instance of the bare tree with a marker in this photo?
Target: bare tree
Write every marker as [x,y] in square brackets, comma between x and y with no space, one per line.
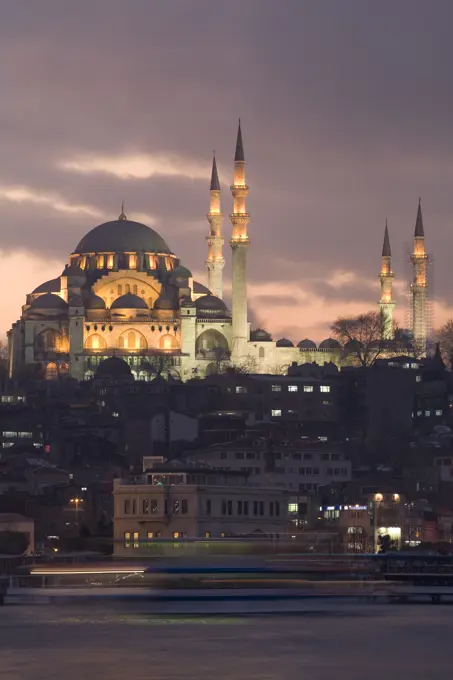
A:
[361,336]
[445,339]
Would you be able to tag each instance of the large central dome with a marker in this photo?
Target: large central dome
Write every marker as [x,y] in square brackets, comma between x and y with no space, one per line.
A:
[122,236]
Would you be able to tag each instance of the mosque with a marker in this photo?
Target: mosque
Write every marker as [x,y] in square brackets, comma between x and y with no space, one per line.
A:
[125,294]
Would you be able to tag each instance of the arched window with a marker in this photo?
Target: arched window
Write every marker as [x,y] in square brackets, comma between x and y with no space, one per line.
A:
[121,342]
[95,342]
[143,343]
[168,342]
[131,340]
[120,289]
[135,289]
[261,352]
[51,371]
[47,340]
[210,341]
[128,288]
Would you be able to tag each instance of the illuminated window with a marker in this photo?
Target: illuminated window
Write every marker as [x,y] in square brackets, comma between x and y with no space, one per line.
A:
[135,289]
[438,412]
[276,388]
[136,538]
[207,534]
[293,507]
[240,389]
[308,388]
[127,288]
[292,388]
[150,534]
[127,538]
[101,261]
[427,414]
[276,412]
[418,378]
[120,289]
[110,262]
[131,340]
[132,261]
[324,388]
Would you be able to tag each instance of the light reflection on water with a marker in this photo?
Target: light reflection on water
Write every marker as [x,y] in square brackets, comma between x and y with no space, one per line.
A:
[90,641]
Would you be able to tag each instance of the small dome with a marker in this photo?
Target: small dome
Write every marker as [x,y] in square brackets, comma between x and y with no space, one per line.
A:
[181,272]
[330,343]
[307,344]
[73,270]
[49,301]
[51,286]
[260,335]
[353,346]
[113,367]
[93,301]
[211,305]
[129,301]
[284,342]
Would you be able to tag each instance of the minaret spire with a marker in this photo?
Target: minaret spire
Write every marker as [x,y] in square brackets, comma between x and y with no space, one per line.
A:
[419,286]
[239,245]
[386,302]
[215,261]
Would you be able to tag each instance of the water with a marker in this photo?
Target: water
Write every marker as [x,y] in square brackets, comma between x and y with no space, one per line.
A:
[334,641]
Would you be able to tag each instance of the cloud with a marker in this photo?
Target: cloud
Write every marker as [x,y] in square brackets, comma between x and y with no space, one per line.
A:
[137,165]
[20,273]
[24,194]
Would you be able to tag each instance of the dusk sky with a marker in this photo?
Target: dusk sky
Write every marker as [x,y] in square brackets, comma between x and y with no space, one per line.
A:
[346,110]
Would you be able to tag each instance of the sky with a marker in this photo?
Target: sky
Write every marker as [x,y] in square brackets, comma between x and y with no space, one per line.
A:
[346,111]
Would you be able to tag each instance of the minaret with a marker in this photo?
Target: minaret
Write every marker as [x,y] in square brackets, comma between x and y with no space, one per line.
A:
[215,261]
[239,246]
[386,302]
[419,287]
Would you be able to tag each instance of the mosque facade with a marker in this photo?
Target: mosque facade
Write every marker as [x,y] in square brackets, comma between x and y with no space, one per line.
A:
[125,294]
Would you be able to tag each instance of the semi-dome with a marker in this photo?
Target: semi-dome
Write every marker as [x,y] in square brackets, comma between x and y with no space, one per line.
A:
[210,305]
[167,299]
[307,344]
[113,367]
[260,335]
[122,236]
[93,301]
[49,301]
[73,270]
[181,272]
[284,342]
[129,301]
[51,286]
[329,343]
[200,289]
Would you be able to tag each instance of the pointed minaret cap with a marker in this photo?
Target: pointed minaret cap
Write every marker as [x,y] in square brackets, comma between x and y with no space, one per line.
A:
[419,231]
[386,251]
[122,216]
[239,154]
[215,184]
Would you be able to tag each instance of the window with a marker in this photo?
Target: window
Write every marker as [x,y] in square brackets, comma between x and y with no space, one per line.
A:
[207,534]
[276,412]
[127,538]
[240,389]
[240,455]
[276,388]
[246,507]
[120,289]
[176,507]
[153,506]
[324,388]
[240,507]
[293,507]
[261,352]
[208,506]
[134,507]
[223,455]
[308,388]
[261,508]
[250,455]
[179,534]
[230,507]
[127,506]
[150,534]
[427,413]
[271,508]
[277,508]
[136,539]
[145,506]
[184,506]
[110,262]
[255,507]
[418,378]
[224,507]
[293,388]
[439,412]
[308,456]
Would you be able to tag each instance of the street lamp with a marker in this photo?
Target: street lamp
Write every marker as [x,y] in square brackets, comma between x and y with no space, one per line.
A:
[76,502]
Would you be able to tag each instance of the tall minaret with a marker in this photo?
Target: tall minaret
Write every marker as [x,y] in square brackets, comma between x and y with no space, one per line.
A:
[215,261]
[239,245]
[386,302]
[419,286]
